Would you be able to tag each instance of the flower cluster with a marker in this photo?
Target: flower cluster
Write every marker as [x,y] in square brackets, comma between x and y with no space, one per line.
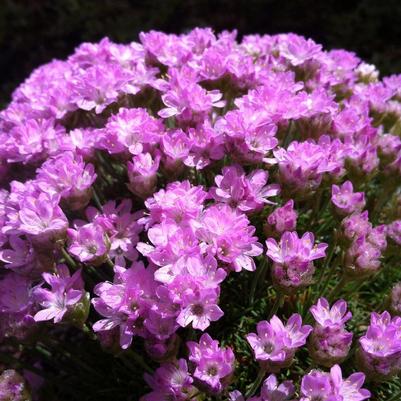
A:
[275,344]
[210,368]
[332,386]
[330,342]
[379,354]
[293,258]
[366,244]
[163,197]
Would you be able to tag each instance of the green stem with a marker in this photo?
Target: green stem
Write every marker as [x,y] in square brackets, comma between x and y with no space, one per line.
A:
[276,305]
[323,269]
[337,288]
[256,279]
[328,278]
[288,135]
[110,263]
[86,329]
[97,199]
[69,260]
[255,385]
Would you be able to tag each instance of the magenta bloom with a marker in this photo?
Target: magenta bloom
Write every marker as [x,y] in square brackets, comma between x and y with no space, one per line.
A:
[326,316]
[88,244]
[68,176]
[131,130]
[379,355]
[345,200]
[97,87]
[64,294]
[293,259]
[122,229]
[201,308]
[393,231]
[207,145]
[331,386]
[283,218]
[187,100]
[362,257]
[275,344]
[41,219]
[213,364]
[247,193]
[179,202]
[356,225]
[142,174]
[251,132]
[170,381]
[125,302]
[20,256]
[227,234]
[329,342]
[271,390]
[297,50]
[302,166]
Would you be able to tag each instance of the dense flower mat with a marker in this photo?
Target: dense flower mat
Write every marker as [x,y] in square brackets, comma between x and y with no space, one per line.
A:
[199,218]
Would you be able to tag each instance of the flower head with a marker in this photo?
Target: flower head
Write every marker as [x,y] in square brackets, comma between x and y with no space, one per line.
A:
[247,193]
[345,200]
[213,364]
[283,218]
[318,385]
[88,243]
[379,355]
[275,344]
[330,342]
[63,296]
[293,259]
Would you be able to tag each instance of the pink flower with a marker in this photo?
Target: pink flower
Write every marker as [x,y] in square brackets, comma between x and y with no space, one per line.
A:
[68,176]
[293,259]
[125,302]
[200,309]
[379,355]
[227,234]
[283,218]
[88,243]
[131,129]
[296,49]
[345,200]
[326,316]
[302,166]
[330,342]
[213,363]
[41,219]
[65,293]
[187,100]
[331,386]
[247,193]
[275,344]
[171,380]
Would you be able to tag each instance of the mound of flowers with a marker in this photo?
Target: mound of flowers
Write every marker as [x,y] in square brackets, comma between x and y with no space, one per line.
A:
[196,217]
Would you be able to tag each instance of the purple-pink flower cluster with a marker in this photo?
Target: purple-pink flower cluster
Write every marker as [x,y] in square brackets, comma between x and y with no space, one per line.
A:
[139,181]
[330,342]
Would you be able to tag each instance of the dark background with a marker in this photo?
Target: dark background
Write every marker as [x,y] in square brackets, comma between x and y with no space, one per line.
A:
[33,32]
